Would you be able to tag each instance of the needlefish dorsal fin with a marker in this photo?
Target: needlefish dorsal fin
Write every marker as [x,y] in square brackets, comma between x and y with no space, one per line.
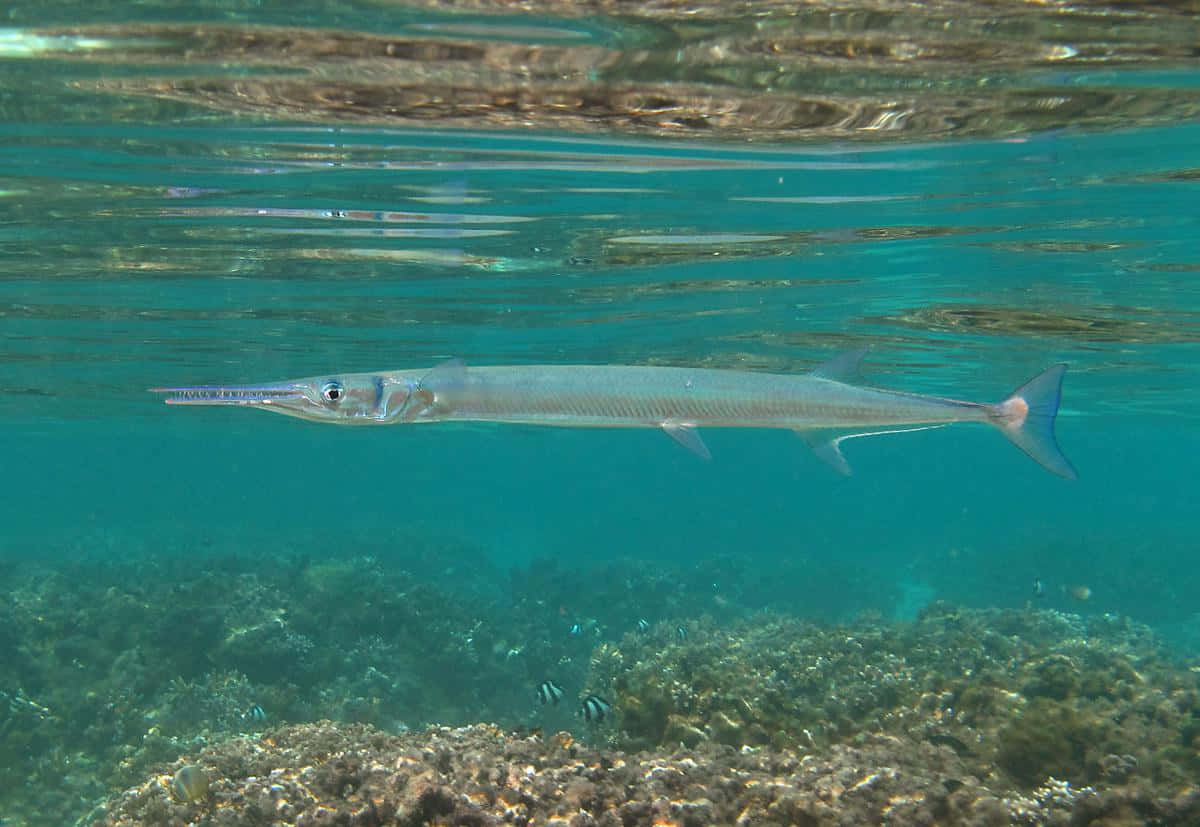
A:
[846,367]
[687,436]
[827,445]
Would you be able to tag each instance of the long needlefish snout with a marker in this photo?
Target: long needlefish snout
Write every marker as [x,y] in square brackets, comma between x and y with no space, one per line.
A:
[229,395]
[347,399]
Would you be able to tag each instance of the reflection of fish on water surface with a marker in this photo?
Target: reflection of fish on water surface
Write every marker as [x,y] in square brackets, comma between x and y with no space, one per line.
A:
[822,406]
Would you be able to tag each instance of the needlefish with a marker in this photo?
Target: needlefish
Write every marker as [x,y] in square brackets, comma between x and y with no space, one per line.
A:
[825,406]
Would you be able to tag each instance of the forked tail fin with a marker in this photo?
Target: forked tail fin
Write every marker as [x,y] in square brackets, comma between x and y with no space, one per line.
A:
[1027,418]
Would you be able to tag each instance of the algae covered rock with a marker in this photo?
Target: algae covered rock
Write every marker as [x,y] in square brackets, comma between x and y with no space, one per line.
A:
[1047,738]
[1055,677]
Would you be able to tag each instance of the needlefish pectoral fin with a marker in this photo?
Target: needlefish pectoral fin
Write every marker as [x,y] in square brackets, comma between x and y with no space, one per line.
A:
[439,385]
[448,375]
[687,436]
[828,445]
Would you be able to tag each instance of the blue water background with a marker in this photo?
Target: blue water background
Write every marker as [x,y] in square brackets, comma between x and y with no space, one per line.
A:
[95,466]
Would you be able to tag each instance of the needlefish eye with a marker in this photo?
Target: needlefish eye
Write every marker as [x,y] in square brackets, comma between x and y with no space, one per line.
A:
[332,392]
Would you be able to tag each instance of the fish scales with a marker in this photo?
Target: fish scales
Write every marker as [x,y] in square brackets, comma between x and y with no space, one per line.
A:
[639,396]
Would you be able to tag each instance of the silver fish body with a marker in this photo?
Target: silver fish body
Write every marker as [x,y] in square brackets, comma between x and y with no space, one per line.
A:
[823,405]
[610,396]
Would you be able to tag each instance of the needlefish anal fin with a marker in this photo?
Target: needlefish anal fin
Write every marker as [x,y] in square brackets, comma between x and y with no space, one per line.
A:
[827,449]
[846,367]
[688,437]
[827,445]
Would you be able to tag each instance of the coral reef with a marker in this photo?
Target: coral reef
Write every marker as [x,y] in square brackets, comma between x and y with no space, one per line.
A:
[322,774]
[115,669]
[115,665]
[1019,695]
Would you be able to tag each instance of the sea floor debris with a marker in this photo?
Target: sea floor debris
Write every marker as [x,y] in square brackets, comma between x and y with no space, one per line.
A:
[327,774]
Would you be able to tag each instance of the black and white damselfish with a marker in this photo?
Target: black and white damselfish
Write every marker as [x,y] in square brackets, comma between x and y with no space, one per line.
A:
[548,692]
[594,708]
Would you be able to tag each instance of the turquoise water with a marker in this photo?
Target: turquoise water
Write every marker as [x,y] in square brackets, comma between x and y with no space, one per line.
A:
[168,217]
[141,255]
